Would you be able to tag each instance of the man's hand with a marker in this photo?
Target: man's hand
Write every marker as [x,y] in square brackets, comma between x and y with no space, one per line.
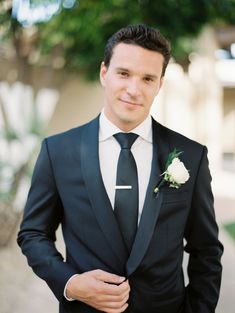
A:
[104,291]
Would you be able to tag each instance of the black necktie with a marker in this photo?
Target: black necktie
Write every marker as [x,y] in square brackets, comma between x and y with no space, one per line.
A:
[126,196]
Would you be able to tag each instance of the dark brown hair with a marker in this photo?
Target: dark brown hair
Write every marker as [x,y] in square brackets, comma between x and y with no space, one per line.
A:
[140,35]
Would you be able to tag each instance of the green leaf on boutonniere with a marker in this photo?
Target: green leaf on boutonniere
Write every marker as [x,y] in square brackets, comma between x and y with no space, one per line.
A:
[174,154]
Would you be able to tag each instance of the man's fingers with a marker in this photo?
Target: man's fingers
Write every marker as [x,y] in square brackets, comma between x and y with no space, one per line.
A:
[101,290]
[108,277]
[122,298]
[115,310]
[112,306]
[115,290]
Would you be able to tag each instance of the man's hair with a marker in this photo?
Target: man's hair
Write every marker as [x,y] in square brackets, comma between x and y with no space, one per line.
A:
[139,35]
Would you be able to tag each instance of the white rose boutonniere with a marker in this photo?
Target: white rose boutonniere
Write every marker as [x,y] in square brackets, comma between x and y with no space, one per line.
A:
[175,174]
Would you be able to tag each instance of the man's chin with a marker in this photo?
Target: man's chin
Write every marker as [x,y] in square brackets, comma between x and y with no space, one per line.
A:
[127,123]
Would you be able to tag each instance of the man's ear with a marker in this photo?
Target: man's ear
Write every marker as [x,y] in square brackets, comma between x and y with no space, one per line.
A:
[103,71]
[160,85]
[161,82]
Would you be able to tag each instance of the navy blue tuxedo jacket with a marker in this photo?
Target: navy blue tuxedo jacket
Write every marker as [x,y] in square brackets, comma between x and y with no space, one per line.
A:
[67,189]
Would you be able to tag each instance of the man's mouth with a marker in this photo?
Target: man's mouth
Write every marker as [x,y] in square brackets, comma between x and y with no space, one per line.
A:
[130,102]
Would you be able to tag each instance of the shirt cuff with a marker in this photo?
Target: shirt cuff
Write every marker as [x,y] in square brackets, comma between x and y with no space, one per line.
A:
[65,288]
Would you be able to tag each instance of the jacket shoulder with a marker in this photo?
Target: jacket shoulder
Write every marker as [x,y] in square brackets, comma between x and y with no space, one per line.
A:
[70,136]
[175,138]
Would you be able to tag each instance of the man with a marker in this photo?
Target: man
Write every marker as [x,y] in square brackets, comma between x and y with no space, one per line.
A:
[124,236]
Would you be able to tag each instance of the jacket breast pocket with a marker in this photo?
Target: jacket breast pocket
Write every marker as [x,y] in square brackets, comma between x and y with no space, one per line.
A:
[175,195]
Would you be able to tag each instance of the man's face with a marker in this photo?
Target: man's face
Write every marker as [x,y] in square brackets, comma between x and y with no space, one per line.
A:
[131,82]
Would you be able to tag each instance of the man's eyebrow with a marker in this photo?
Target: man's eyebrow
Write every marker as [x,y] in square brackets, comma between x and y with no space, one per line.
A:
[152,76]
[122,69]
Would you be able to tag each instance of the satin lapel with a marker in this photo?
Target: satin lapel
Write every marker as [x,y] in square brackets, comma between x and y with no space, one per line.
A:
[153,202]
[96,190]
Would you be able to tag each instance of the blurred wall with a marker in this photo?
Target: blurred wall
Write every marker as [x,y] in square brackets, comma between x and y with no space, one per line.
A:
[79,102]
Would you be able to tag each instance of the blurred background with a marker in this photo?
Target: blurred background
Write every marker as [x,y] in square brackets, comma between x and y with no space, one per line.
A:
[50,53]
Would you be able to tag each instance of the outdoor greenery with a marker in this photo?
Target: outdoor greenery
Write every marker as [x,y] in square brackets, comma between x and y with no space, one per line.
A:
[79,34]
[230,228]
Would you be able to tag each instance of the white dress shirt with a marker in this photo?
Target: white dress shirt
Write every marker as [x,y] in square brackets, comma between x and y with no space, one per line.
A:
[109,149]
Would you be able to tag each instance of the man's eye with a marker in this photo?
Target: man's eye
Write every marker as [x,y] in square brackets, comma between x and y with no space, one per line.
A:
[148,79]
[123,74]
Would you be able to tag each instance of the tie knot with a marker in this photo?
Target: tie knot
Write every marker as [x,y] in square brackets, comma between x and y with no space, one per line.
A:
[125,140]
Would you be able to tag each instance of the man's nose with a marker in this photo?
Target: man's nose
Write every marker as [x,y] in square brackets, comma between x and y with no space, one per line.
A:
[133,87]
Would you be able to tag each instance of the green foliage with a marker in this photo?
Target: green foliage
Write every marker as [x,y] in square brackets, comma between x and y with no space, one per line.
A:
[83,31]
[80,34]
[5,23]
[230,228]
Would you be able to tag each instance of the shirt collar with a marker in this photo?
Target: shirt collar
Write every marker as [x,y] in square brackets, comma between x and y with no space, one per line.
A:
[108,129]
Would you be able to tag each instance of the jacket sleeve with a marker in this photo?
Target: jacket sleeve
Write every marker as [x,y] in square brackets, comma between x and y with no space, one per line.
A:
[42,216]
[203,246]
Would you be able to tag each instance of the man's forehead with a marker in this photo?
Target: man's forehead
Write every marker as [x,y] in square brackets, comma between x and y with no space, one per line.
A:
[133,58]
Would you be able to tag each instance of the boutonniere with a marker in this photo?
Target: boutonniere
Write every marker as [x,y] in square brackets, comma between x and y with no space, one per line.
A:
[175,174]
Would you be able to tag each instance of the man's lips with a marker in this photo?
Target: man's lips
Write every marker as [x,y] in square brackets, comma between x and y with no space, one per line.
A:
[130,102]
